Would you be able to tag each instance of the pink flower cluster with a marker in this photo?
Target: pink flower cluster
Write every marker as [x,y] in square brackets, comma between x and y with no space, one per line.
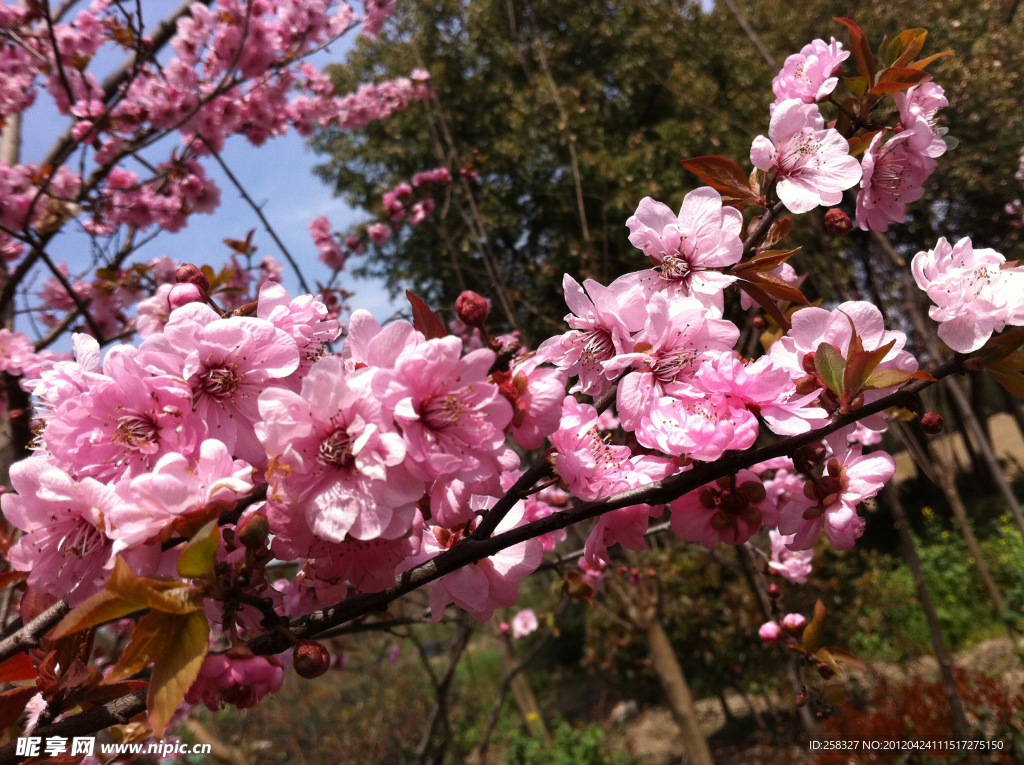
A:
[974,291]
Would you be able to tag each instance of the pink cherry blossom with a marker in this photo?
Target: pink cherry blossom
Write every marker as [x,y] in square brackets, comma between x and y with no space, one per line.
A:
[305,318]
[696,424]
[483,586]
[849,480]
[813,163]
[335,456]
[536,394]
[524,623]
[893,176]
[602,321]
[124,423]
[686,249]
[65,548]
[974,294]
[175,486]
[331,254]
[764,388]
[732,510]
[794,565]
[452,419]
[237,677]
[370,344]
[813,326]
[672,344]
[920,104]
[812,74]
[227,363]
[16,351]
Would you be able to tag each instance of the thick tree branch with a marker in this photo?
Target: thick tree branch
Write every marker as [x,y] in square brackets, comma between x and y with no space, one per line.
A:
[28,636]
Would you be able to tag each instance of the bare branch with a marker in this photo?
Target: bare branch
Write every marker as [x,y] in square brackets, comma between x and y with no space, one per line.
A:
[259,214]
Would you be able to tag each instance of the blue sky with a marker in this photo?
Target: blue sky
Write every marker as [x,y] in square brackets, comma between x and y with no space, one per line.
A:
[278,173]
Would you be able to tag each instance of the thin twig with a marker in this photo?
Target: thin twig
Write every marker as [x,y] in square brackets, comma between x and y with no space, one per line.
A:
[259,213]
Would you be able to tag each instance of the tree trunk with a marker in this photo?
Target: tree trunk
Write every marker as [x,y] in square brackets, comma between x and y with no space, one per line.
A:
[670,673]
[956,703]
[521,690]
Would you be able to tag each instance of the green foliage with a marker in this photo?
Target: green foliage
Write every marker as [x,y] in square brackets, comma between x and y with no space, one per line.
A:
[888,621]
[641,87]
[567,746]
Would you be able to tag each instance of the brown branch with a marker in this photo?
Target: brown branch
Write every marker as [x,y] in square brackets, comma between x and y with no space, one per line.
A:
[473,550]
[80,303]
[29,635]
[656,493]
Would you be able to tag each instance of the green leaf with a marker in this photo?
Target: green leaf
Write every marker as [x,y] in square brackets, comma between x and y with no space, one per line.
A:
[198,558]
[887,378]
[175,671]
[904,47]
[765,260]
[424,320]
[856,85]
[815,631]
[829,363]
[723,175]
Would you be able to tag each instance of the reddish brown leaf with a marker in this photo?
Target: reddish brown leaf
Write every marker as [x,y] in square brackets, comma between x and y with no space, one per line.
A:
[905,46]
[764,261]
[13,702]
[886,88]
[856,85]
[861,50]
[776,287]
[910,76]
[9,577]
[425,320]
[764,300]
[925,61]
[1000,346]
[778,231]
[34,603]
[18,667]
[723,175]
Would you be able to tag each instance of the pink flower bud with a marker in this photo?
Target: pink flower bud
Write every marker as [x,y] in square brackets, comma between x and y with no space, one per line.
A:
[794,624]
[311,659]
[770,633]
[183,294]
[837,222]
[931,423]
[188,273]
[472,309]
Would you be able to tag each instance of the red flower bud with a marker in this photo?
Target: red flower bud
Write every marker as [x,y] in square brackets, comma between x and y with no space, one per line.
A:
[808,363]
[931,423]
[826,672]
[311,659]
[191,274]
[837,222]
[472,309]
[253,530]
[759,322]
[814,453]
[801,699]
[773,590]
